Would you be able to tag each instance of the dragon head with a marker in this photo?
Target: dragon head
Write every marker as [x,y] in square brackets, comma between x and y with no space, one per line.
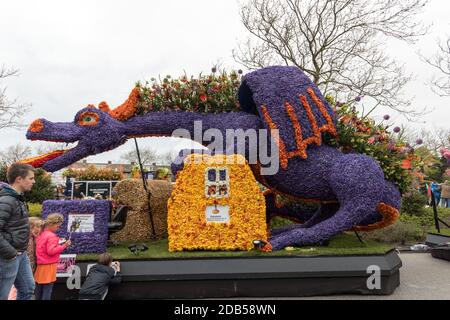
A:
[94,130]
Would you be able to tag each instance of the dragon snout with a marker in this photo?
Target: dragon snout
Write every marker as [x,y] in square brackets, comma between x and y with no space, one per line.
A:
[36,126]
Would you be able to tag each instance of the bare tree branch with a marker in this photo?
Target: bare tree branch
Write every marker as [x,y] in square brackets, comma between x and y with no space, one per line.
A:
[441,61]
[148,156]
[338,43]
[49,147]
[14,154]
[433,138]
[10,111]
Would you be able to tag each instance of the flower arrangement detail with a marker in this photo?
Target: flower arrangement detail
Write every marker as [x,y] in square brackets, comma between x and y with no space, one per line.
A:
[363,135]
[83,242]
[213,93]
[187,223]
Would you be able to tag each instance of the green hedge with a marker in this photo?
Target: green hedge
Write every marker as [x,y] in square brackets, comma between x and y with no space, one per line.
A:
[410,228]
[35,209]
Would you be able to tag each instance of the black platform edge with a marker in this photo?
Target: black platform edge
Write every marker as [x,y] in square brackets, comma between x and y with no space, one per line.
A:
[441,253]
[249,277]
[436,239]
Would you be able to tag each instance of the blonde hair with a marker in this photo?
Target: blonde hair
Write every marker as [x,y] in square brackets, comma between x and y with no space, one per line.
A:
[54,219]
[35,222]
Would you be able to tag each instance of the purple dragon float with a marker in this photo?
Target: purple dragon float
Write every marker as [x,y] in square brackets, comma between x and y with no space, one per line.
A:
[351,188]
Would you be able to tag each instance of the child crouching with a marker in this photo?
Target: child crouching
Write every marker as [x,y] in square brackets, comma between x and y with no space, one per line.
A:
[100,276]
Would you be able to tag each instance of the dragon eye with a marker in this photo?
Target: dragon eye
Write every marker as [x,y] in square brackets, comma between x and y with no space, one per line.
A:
[88,119]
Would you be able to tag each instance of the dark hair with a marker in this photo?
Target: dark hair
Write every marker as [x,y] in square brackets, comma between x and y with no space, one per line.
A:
[105,259]
[18,170]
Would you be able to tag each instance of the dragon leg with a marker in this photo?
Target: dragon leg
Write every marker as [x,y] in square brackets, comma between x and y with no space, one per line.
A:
[274,208]
[359,185]
[324,212]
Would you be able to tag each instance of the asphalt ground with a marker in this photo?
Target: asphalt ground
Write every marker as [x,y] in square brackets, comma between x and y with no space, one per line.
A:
[422,277]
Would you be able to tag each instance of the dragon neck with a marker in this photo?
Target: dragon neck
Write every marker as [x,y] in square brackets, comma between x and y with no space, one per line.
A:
[164,123]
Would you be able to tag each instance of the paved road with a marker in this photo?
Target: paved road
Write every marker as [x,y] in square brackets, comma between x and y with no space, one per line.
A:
[421,277]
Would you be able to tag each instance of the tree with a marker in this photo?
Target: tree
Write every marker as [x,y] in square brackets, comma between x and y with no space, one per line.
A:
[14,154]
[434,139]
[338,43]
[3,169]
[43,188]
[441,61]
[50,147]
[11,112]
[148,156]
[165,158]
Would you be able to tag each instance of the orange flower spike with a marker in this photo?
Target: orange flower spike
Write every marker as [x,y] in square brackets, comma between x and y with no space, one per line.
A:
[297,128]
[312,120]
[128,108]
[103,106]
[330,126]
[279,142]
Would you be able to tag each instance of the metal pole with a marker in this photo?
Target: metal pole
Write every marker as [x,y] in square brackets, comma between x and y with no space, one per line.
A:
[357,235]
[436,217]
[144,181]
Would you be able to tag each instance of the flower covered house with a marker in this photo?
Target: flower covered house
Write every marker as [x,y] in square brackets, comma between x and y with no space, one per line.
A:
[216,204]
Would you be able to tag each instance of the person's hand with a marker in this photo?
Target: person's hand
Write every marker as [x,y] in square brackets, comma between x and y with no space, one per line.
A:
[116,266]
[68,243]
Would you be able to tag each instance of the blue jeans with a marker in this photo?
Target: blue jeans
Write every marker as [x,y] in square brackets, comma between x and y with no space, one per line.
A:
[44,291]
[17,272]
[445,202]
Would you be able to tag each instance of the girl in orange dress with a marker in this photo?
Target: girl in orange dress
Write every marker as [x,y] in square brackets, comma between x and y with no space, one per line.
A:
[48,251]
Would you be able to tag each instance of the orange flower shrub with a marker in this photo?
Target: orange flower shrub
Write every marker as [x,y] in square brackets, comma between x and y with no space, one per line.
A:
[187,218]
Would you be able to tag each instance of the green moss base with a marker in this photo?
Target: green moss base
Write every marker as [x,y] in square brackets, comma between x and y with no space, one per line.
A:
[345,244]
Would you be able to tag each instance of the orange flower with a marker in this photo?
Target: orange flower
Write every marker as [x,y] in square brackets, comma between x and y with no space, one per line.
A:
[127,109]
[406,164]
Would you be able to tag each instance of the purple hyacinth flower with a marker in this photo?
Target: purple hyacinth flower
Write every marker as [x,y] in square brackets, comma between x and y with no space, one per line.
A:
[397,129]
[358,99]
[419,142]
[386,117]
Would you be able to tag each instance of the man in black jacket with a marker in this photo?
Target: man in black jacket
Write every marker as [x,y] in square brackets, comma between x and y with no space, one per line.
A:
[100,277]
[14,233]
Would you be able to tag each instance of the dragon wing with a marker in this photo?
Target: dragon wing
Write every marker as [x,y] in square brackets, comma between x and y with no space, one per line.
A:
[287,100]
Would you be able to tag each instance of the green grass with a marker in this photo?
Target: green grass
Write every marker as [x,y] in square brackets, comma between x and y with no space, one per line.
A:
[445,232]
[345,244]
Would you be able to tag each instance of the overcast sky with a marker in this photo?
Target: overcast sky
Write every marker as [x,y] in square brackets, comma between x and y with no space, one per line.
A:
[74,53]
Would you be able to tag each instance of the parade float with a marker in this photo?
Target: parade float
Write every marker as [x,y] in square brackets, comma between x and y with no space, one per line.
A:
[351,189]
